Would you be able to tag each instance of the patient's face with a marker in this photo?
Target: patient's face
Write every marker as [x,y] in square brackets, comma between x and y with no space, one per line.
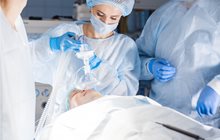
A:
[79,97]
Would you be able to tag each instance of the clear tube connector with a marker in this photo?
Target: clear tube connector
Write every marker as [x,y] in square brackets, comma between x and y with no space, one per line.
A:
[87,80]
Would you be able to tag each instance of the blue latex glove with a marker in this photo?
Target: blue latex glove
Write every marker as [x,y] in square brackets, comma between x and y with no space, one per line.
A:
[94,62]
[65,42]
[208,102]
[161,69]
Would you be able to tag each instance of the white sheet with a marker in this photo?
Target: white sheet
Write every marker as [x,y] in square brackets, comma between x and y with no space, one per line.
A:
[124,118]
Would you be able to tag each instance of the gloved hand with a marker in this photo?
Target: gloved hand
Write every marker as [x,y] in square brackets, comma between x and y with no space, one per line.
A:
[208,102]
[161,69]
[65,42]
[94,62]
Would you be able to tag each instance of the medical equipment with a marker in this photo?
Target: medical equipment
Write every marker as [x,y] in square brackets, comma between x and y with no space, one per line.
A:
[85,79]
[35,28]
[48,113]
[76,44]
[42,94]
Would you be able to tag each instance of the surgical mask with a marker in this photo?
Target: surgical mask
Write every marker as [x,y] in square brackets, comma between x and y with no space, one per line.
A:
[101,27]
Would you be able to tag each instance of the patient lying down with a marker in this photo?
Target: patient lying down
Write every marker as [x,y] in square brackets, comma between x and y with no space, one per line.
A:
[96,117]
[88,111]
[79,97]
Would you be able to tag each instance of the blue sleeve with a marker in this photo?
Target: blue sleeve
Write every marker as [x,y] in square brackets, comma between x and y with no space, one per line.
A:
[45,61]
[124,80]
[215,84]
[147,42]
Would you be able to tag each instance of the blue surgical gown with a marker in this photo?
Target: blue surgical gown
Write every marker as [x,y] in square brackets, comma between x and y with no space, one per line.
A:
[187,35]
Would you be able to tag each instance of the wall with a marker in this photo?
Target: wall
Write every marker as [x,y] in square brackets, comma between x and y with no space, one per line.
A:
[149,4]
[48,8]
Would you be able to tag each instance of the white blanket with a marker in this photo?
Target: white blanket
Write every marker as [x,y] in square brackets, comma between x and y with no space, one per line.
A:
[124,118]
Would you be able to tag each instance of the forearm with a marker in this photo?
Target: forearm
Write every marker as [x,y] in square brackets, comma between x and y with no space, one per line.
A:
[145,72]
[215,84]
[124,81]
[43,60]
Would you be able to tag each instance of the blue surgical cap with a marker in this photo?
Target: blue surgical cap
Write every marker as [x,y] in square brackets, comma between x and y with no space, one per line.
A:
[125,6]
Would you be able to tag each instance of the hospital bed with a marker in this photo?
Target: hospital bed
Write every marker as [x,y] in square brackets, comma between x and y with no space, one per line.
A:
[126,118]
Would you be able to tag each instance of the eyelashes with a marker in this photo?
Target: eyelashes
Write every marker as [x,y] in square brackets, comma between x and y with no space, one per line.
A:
[102,15]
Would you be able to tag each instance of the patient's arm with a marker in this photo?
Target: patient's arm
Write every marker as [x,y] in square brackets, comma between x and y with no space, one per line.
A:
[79,97]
